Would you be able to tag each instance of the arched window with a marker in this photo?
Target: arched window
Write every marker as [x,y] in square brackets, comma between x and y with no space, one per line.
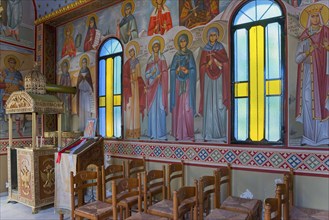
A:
[258,67]
[109,88]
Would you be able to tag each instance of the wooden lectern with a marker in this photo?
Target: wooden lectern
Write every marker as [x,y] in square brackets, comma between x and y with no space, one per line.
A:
[82,154]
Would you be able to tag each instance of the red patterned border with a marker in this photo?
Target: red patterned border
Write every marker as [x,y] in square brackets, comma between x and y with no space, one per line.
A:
[269,159]
[20,143]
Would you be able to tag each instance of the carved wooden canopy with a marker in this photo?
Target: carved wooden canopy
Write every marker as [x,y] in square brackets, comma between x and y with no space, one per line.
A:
[24,102]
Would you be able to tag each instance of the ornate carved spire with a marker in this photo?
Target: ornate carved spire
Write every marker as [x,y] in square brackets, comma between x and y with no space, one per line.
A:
[35,81]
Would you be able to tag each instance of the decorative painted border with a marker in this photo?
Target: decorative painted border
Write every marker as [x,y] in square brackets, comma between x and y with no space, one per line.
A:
[306,161]
[19,142]
[270,159]
[16,143]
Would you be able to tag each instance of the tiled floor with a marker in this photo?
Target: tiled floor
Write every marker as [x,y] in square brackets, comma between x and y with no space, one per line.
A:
[17,211]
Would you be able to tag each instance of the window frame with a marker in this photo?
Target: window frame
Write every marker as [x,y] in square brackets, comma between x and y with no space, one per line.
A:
[105,57]
[281,20]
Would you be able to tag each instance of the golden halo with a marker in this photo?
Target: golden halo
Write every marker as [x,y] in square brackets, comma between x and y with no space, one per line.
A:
[89,17]
[161,41]
[68,27]
[68,64]
[129,45]
[303,19]
[84,56]
[155,4]
[124,5]
[12,57]
[189,35]
[219,28]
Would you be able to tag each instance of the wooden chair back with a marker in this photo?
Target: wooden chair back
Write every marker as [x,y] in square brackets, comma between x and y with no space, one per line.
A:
[82,181]
[288,179]
[290,211]
[154,179]
[181,196]
[175,170]
[224,177]
[136,166]
[112,172]
[123,189]
[289,194]
[281,193]
[272,207]
[208,185]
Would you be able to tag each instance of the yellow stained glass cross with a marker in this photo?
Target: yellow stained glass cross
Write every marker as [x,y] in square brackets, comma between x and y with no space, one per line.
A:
[258,87]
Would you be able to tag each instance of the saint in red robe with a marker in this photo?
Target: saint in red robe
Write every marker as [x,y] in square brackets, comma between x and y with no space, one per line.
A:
[134,97]
[216,53]
[160,21]
[69,47]
[312,99]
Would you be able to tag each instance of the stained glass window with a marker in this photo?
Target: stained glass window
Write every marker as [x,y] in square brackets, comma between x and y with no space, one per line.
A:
[258,73]
[109,88]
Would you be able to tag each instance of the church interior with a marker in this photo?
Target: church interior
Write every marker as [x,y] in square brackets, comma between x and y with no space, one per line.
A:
[164,109]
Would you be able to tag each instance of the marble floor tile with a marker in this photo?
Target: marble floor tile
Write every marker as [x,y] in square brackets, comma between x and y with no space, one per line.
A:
[17,211]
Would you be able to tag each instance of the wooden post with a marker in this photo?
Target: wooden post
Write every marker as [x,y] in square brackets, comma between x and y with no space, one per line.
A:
[34,129]
[10,130]
[59,124]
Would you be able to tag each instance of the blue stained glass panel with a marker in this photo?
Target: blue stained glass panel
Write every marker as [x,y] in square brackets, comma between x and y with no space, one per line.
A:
[102,120]
[110,47]
[241,122]
[272,118]
[117,121]
[242,18]
[116,47]
[273,51]
[101,76]
[262,8]
[104,51]
[247,17]
[112,76]
[117,75]
[241,61]
[274,11]
[257,10]
[249,10]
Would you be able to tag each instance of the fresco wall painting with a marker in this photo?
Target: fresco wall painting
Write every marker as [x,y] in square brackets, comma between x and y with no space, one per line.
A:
[178,57]
[15,62]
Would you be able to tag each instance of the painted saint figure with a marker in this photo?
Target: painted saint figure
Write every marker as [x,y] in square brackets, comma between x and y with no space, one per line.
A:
[183,88]
[127,26]
[134,92]
[14,18]
[312,103]
[85,93]
[160,20]
[12,80]
[197,12]
[156,75]
[3,16]
[214,84]
[93,36]
[65,80]
[12,77]
[213,8]
[68,46]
